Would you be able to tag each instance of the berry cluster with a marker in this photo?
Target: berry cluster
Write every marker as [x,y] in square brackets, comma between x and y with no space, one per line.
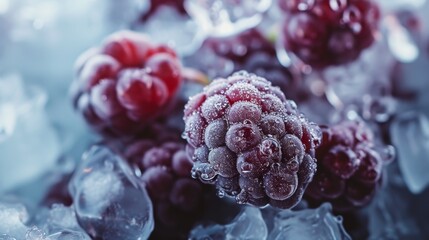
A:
[329,32]
[245,137]
[124,85]
[349,169]
[165,169]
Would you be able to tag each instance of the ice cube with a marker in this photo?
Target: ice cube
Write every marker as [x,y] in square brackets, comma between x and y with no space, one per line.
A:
[57,223]
[6,237]
[410,135]
[362,83]
[248,225]
[68,235]
[400,41]
[308,224]
[12,219]
[222,18]
[167,22]
[29,145]
[35,233]
[400,4]
[394,212]
[109,201]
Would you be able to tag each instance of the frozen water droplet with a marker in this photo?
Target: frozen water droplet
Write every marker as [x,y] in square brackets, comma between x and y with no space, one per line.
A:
[305,5]
[220,193]
[204,171]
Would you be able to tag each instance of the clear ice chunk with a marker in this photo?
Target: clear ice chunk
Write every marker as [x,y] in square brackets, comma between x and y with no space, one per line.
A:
[29,145]
[187,36]
[248,225]
[109,201]
[308,224]
[222,18]
[68,235]
[6,237]
[59,220]
[403,47]
[362,83]
[13,217]
[394,213]
[410,136]
[400,4]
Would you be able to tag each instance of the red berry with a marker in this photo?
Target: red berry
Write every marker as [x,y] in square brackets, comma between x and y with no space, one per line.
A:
[126,84]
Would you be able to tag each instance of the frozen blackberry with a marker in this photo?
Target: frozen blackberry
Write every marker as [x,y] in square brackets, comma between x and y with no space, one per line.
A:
[329,32]
[248,140]
[253,52]
[349,168]
[126,83]
[165,169]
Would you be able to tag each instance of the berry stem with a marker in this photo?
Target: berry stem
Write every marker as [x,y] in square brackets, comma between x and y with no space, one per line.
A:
[194,75]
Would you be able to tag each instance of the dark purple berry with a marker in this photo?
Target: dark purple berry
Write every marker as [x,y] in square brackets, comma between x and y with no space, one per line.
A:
[323,33]
[251,154]
[349,168]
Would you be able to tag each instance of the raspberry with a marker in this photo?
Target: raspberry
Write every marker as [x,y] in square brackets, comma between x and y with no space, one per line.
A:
[125,84]
[165,169]
[349,169]
[248,140]
[324,32]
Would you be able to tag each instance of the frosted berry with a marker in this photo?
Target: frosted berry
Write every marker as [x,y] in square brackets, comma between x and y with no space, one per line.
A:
[165,170]
[329,32]
[349,168]
[126,83]
[247,139]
